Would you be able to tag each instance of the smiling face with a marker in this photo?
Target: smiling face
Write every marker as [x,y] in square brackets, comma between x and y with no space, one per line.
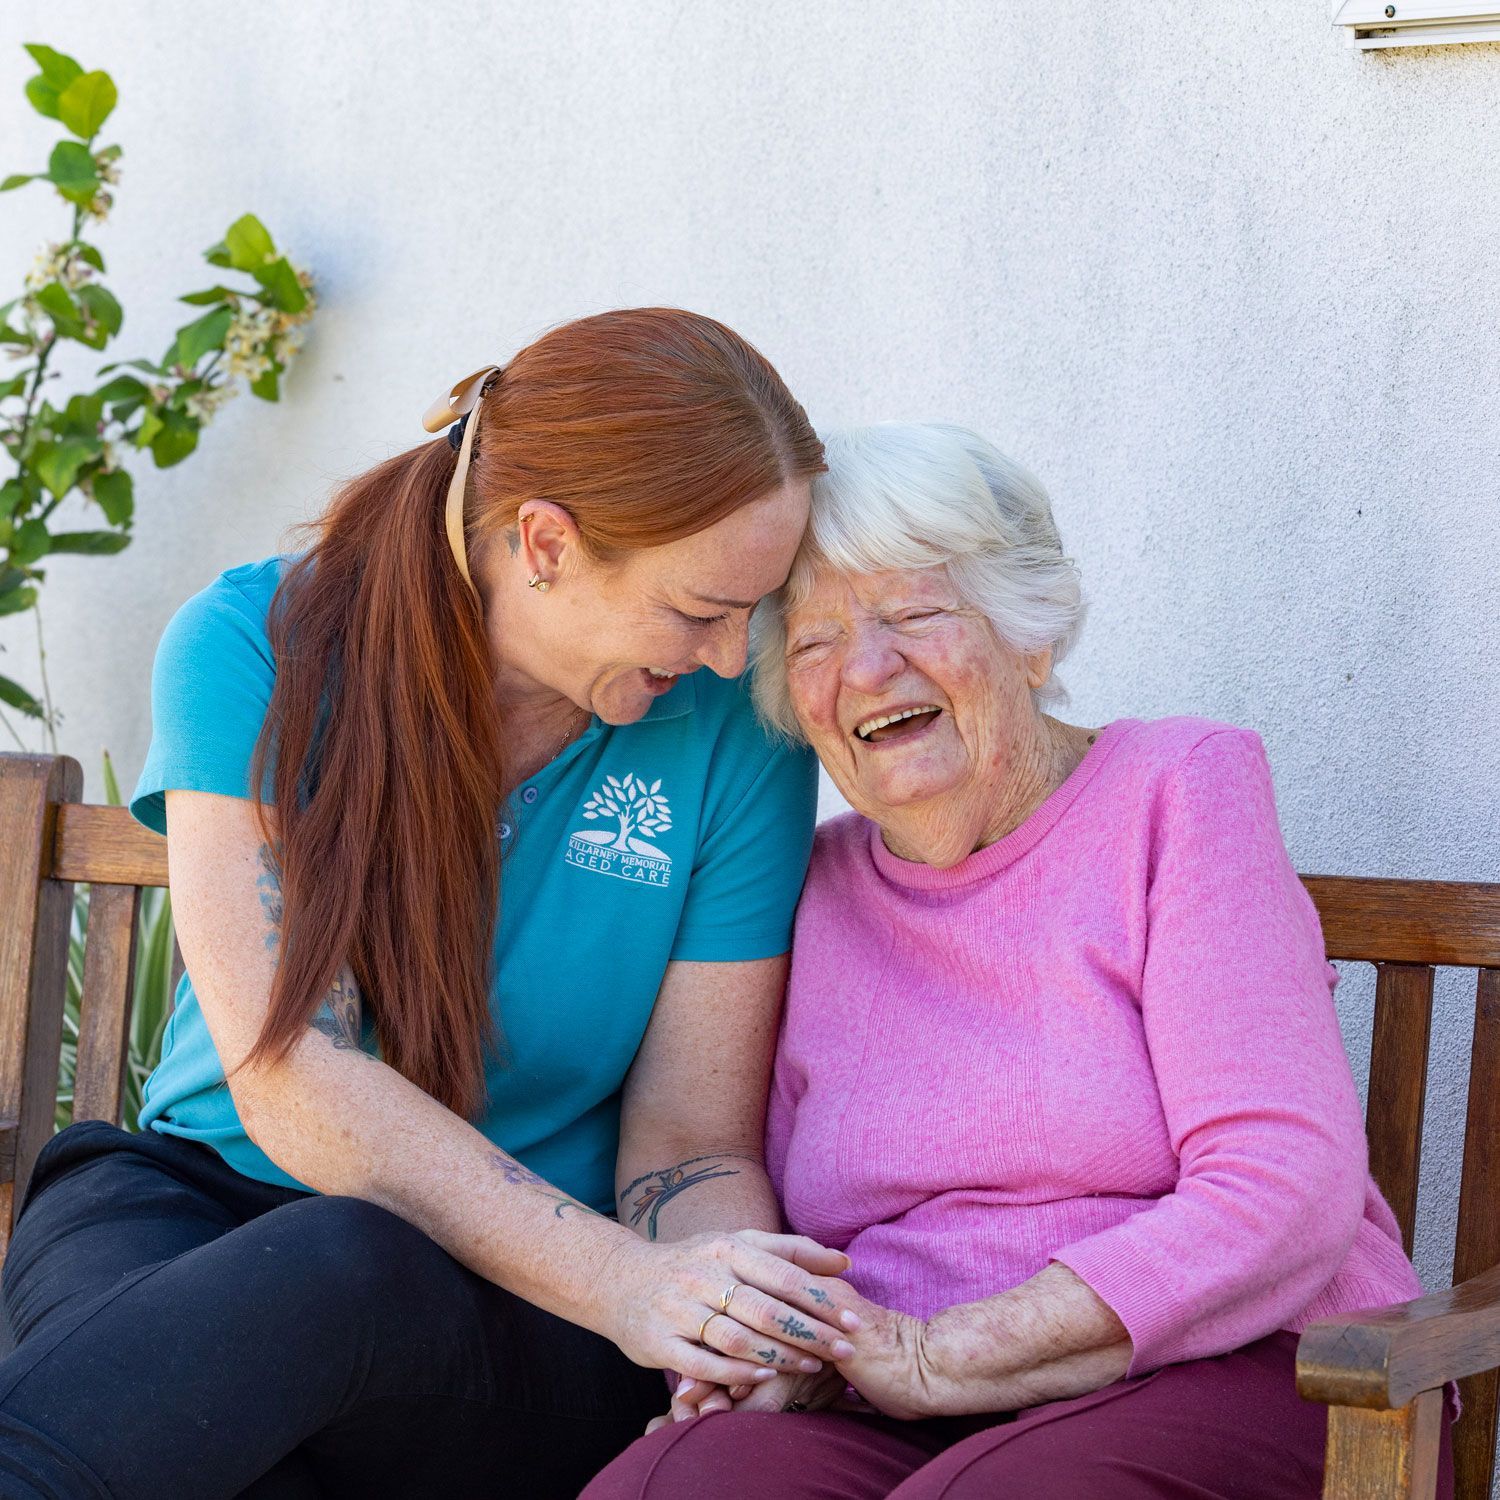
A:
[912,702]
[614,636]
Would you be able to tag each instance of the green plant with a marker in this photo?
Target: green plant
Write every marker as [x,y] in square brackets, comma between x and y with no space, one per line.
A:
[151,1002]
[54,448]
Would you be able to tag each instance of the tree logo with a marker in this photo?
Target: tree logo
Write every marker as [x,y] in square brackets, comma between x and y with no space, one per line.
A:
[631,807]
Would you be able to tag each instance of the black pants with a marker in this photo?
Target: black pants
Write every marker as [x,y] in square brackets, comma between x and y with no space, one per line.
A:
[184,1332]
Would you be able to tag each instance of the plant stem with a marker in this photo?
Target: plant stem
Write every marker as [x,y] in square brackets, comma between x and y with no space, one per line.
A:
[41,370]
[41,654]
[5,719]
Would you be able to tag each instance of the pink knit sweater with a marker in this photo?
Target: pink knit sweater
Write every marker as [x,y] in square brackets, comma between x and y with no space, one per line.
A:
[1106,1040]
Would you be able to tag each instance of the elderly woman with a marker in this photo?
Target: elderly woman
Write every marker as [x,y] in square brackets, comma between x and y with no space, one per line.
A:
[1059,1069]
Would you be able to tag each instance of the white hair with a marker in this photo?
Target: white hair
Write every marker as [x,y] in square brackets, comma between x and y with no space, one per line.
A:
[914,495]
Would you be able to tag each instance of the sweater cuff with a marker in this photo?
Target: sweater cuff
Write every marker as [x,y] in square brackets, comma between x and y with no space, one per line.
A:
[1140,1296]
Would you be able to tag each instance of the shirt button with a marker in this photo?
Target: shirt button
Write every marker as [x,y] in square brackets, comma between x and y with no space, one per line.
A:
[504,832]
[529,795]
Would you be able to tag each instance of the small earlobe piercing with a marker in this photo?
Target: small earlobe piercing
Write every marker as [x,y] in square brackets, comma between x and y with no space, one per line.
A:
[537,582]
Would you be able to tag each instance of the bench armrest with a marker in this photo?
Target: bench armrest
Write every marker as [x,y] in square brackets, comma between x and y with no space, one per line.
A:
[1385,1358]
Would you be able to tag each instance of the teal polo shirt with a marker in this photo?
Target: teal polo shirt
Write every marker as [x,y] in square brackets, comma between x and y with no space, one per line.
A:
[682,836]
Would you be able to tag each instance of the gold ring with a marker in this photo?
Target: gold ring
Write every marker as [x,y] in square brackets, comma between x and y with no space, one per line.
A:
[704,1324]
[727,1296]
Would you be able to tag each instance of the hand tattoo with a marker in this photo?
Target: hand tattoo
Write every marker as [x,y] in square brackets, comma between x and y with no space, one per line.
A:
[512,1171]
[662,1186]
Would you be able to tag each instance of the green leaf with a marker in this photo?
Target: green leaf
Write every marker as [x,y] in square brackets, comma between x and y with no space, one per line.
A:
[210,296]
[90,543]
[283,290]
[57,67]
[197,338]
[15,386]
[30,542]
[17,179]
[57,464]
[151,424]
[268,386]
[111,783]
[218,255]
[71,171]
[121,388]
[88,255]
[177,438]
[54,300]
[12,692]
[132,364]
[82,414]
[10,496]
[101,303]
[58,71]
[249,244]
[43,96]
[115,492]
[87,102]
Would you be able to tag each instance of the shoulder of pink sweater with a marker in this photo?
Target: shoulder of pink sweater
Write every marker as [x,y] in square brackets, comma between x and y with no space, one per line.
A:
[1169,742]
[839,840]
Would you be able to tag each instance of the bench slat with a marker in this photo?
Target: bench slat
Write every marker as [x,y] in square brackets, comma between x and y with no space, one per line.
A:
[1398,1086]
[1408,921]
[104,1011]
[105,845]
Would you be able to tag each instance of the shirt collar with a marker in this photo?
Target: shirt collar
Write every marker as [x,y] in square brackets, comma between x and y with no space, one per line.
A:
[682,700]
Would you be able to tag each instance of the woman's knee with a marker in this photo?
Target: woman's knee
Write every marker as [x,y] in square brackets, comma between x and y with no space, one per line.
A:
[349,1254]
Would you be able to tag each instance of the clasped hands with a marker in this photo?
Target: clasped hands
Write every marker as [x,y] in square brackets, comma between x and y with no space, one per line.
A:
[793,1334]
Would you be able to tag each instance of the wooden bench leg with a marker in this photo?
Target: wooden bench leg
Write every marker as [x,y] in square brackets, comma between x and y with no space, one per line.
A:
[1384,1455]
[34,932]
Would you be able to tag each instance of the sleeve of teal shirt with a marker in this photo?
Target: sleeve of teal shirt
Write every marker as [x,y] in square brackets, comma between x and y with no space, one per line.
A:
[751,864]
[210,686]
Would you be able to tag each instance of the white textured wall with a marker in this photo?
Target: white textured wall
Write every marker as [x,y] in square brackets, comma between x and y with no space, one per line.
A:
[1231,289]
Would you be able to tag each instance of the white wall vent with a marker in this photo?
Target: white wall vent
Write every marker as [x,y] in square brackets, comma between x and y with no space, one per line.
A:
[1416,23]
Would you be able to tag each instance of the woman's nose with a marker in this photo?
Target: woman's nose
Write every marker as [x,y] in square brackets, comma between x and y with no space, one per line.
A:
[871,660]
[727,652]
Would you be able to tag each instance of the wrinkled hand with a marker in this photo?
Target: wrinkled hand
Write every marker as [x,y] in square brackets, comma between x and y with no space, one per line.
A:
[788,1313]
[890,1367]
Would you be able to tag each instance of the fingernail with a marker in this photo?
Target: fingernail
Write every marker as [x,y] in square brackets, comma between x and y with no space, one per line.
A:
[683,1389]
[850,1321]
[842,1348]
[761,1376]
[809,1366]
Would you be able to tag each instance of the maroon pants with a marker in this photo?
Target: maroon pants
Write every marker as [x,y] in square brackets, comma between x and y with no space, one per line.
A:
[1230,1428]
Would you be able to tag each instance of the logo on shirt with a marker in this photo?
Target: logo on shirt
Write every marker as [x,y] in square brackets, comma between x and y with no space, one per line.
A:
[629,808]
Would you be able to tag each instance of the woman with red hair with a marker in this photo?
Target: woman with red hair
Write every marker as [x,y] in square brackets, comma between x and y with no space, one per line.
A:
[484,893]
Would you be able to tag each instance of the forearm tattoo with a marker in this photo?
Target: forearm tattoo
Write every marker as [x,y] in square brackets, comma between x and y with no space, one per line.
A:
[645,1198]
[512,1171]
[341,1015]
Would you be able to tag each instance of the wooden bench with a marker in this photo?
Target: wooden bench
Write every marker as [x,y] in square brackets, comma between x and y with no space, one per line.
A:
[1381,1374]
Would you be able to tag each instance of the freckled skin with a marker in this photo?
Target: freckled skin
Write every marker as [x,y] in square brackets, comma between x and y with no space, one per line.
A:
[869,644]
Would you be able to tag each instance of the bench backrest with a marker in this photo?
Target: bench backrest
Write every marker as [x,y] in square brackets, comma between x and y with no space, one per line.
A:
[49,840]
